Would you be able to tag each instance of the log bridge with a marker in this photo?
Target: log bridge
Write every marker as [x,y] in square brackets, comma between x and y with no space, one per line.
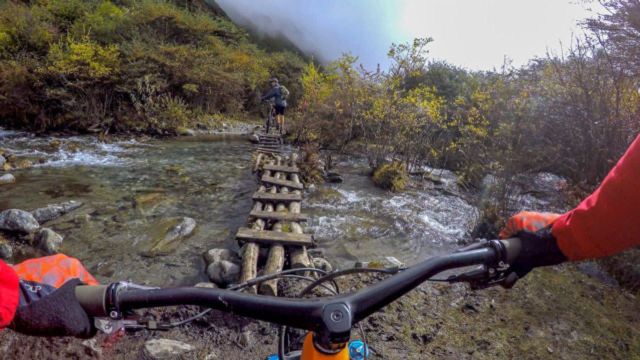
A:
[275,220]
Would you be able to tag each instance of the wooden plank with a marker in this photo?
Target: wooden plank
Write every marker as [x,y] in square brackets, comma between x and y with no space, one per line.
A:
[286,169]
[269,146]
[265,196]
[280,216]
[274,237]
[270,151]
[272,180]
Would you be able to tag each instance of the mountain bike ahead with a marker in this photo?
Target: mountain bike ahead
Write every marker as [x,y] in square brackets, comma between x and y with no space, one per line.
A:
[271,118]
[328,320]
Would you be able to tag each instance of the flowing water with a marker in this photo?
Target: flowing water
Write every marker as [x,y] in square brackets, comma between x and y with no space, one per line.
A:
[129,187]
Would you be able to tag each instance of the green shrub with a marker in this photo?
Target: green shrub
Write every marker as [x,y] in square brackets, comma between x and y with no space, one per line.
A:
[84,58]
[391,176]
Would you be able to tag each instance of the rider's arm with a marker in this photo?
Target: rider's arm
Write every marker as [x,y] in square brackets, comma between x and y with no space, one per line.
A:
[9,294]
[608,221]
[271,94]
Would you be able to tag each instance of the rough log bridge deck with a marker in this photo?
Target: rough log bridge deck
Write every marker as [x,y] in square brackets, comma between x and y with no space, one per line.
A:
[274,181]
[278,215]
[287,169]
[275,218]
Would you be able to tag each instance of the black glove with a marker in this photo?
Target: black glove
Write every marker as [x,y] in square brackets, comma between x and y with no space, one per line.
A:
[539,248]
[56,314]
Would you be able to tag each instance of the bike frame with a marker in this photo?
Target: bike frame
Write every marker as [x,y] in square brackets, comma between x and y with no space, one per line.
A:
[329,320]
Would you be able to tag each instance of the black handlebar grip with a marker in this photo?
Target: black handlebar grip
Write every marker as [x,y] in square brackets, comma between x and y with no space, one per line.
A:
[92,299]
[513,246]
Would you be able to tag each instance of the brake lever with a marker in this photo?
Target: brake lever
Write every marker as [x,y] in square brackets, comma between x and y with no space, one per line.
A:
[486,275]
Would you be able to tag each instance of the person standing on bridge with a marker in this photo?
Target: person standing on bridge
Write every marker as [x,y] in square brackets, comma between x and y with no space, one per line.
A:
[279,94]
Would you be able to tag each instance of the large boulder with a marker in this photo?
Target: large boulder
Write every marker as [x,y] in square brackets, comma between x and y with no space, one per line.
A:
[55,210]
[48,241]
[18,220]
[161,349]
[167,235]
[7,179]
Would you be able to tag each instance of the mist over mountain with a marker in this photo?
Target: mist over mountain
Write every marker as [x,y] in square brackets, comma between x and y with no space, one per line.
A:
[322,29]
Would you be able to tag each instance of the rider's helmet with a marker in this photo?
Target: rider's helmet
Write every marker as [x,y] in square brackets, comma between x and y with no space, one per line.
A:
[273,80]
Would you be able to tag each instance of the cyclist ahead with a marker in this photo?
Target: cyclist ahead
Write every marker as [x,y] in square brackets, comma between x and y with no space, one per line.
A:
[279,94]
[37,296]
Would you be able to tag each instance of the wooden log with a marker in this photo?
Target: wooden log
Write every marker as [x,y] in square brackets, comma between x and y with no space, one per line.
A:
[275,260]
[250,253]
[256,167]
[274,237]
[272,197]
[298,256]
[290,184]
[284,169]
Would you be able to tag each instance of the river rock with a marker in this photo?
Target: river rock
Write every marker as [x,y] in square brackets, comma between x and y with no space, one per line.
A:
[254,138]
[7,179]
[6,250]
[48,241]
[322,264]
[18,220]
[334,177]
[161,349]
[168,233]
[2,160]
[183,131]
[23,164]
[214,255]
[223,272]
[55,210]
[206,285]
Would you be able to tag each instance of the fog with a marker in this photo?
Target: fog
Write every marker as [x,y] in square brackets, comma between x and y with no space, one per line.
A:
[476,34]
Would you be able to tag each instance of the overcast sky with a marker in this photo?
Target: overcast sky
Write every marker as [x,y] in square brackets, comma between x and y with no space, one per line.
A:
[476,34]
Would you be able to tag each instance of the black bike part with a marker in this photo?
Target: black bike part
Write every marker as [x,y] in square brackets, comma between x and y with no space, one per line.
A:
[329,318]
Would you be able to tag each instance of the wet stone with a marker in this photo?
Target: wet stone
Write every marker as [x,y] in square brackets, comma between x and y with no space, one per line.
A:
[18,220]
[223,272]
[161,349]
[7,179]
[168,234]
[218,254]
[48,241]
[6,250]
[54,211]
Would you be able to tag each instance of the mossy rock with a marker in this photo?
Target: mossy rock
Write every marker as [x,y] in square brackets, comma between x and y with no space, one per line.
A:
[23,164]
[327,194]
[392,176]
[175,169]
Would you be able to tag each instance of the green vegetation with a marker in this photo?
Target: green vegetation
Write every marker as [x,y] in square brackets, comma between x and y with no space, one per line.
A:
[132,65]
[572,113]
[392,176]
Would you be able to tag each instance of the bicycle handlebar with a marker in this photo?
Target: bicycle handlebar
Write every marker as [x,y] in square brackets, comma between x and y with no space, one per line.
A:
[330,317]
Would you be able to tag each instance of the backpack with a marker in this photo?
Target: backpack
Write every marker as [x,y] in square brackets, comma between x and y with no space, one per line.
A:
[285,92]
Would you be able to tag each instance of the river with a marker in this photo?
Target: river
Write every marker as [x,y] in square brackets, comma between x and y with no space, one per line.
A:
[129,187]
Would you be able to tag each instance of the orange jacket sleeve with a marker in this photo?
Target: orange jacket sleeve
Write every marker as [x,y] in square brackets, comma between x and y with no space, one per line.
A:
[608,221]
[9,294]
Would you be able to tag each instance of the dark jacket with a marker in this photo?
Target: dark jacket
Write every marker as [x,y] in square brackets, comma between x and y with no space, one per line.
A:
[276,94]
